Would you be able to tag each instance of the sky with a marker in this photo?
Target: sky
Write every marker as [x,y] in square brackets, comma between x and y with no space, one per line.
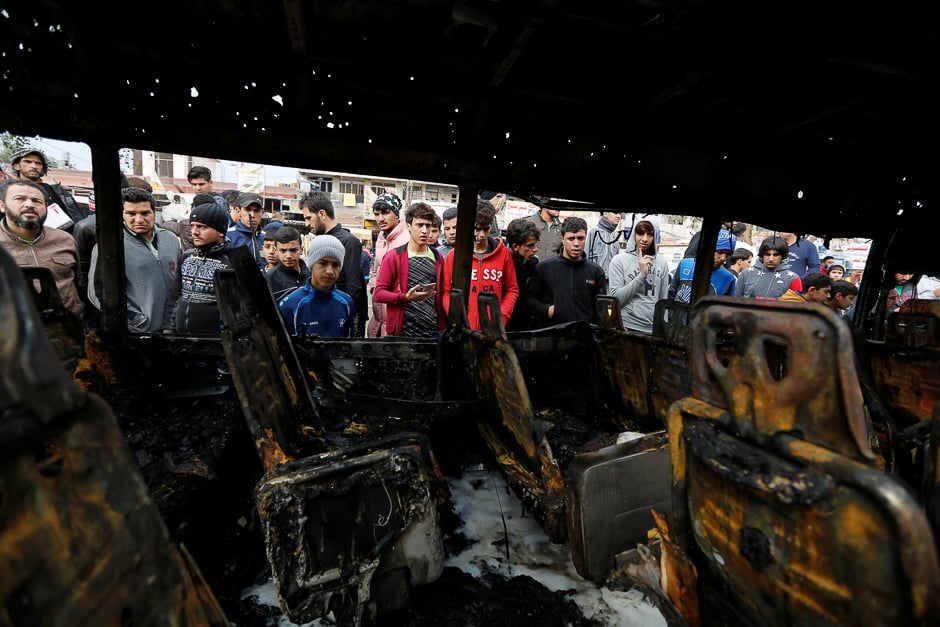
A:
[484,512]
[80,156]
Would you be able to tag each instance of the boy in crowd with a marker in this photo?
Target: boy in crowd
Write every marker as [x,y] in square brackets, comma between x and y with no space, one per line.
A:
[522,238]
[491,269]
[842,296]
[740,260]
[408,280]
[318,308]
[290,272]
[770,277]
[816,287]
[639,278]
[269,249]
[449,222]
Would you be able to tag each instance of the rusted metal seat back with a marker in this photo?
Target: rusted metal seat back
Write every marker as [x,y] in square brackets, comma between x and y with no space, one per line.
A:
[63,330]
[780,367]
[509,426]
[791,521]
[81,541]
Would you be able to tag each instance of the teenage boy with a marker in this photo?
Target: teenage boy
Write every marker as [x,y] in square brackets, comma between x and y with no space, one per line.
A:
[770,276]
[269,249]
[318,308]
[564,286]
[639,278]
[449,223]
[522,238]
[290,272]
[392,233]
[491,270]
[841,296]
[408,280]
[247,231]
[815,289]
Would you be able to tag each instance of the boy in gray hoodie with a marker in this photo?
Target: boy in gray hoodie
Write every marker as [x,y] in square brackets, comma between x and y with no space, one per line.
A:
[638,278]
[770,276]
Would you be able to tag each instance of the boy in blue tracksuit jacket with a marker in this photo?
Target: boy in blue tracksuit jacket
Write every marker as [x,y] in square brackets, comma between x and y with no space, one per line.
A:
[318,308]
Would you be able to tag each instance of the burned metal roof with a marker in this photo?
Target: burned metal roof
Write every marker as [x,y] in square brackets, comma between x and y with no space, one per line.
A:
[805,116]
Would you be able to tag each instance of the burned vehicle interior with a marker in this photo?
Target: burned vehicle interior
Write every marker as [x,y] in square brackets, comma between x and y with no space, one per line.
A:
[777,465]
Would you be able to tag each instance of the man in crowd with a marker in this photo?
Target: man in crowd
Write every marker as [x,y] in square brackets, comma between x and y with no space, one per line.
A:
[22,234]
[197,310]
[603,240]
[549,231]
[392,233]
[320,216]
[30,164]
[492,270]
[151,260]
[803,256]
[409,279]
[247,231]
[318,308]
[564,286]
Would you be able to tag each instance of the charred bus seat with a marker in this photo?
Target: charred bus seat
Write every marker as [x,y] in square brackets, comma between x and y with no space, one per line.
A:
[779,499]
[350,517]
[81,541]
[559,422]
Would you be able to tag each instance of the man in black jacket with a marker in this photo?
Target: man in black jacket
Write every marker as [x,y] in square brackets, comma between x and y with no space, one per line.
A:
[321,218]
[565,286]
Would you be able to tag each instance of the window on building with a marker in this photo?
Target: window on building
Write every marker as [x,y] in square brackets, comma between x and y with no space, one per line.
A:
[378,190]
[351,187]
[322,183]
[163,163]
[432,193]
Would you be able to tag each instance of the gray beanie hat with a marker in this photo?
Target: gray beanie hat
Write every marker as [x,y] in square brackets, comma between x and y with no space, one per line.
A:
[212,215]
[325,246]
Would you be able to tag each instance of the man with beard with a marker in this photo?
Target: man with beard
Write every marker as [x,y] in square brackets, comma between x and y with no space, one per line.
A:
[30,164]
[392,235]
[22,234]
[321,218]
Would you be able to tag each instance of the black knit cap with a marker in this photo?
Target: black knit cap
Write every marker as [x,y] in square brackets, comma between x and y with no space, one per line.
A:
[212,215]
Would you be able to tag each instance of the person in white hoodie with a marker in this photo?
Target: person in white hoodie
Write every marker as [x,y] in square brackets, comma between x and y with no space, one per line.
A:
[638,277]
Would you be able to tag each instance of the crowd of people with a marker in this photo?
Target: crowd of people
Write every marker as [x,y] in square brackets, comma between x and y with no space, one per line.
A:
[543,270]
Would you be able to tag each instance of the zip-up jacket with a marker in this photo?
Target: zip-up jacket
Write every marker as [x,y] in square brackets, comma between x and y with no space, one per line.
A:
[149,279]
[283,281]
[309,312]
[242,235]
[570,285]
[763,284]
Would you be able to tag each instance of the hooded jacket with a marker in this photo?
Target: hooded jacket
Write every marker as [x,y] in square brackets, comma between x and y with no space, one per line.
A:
[495,272]
[763,284]
[197,310]
[636,293]
[150,279]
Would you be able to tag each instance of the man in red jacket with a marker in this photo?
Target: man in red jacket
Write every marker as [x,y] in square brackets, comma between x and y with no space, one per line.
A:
[492,269]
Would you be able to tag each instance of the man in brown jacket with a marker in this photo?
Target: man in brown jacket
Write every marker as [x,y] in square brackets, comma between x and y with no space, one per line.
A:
[22,235]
